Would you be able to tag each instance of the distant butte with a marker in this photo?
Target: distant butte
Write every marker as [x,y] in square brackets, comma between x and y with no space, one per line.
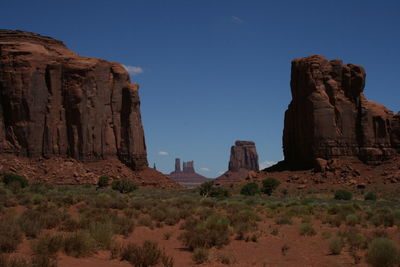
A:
[188,175]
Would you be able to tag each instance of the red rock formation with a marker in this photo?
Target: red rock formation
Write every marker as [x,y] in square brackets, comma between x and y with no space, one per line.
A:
[242,164]
[330,117]
[188,175]
[54,102]
[243,156]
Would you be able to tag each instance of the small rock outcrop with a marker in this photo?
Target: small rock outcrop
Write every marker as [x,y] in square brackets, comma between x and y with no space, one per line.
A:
[54,102]
[243,161]
[330,117]
[188,176]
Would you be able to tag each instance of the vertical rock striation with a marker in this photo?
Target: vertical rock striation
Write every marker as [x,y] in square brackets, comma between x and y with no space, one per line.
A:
[330,117]
[56,103]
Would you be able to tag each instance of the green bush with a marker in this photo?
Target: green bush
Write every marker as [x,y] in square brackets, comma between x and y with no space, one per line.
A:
[9,179]
[79,244]
[123,186]
[208,189]
[283,220]
[269,185]
[214,231]
[353,219]
[249,189]
[200,255]
[343,195]
[10,235]
[370,196]
[103,181]
[336,245]
[48,245]
[382,252]
[102,233]
[307,229]
[149,254]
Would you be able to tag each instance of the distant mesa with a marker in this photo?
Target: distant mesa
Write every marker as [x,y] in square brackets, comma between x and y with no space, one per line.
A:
[243,163]
[187,176]
[329,116]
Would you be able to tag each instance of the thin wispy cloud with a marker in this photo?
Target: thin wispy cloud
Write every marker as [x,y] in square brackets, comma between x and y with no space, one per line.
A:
[266,164]
[205,169]
[237,20]
[221,172]
[133,70]
[163,153]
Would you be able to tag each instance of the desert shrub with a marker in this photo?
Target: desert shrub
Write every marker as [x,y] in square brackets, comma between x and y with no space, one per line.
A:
[200,255]
[205,188]
[38,199]
[307,229]
[353,219]
[382,252]
[102,233]
[219,192]
[70,225]
[167,235]
[123,186]
[269,185]
[43,260]
[123,226]
[353,237]
[215,231]
[79,244]
[336,245]
[326,235]
[48,245]
[343,195]
[208,189]
[283,220]
[103,181]
[244,221]
[145,220]
[10,235]
[383,216]
[370,196]
[10,179]
[7,261]
[249,189]
[149,254]
[32,221]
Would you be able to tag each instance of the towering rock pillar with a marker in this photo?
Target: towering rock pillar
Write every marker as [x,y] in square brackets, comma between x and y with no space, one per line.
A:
[329,115]
[188,167]
[243,156]
[177,165]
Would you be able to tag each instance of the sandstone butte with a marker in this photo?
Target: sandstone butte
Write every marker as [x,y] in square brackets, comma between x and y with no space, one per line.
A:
[187,176]
[243,163]
[329,116]
[57,104]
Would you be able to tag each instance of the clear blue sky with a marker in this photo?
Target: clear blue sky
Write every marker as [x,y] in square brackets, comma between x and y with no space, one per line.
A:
[215,71]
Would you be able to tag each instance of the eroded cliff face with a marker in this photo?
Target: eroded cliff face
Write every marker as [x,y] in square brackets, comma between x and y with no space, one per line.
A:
[54,102]
[330,117]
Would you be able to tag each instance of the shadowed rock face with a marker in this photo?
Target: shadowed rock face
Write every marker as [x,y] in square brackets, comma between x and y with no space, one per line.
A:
[188,175]
[54,102]
[330,117]
[243,156]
